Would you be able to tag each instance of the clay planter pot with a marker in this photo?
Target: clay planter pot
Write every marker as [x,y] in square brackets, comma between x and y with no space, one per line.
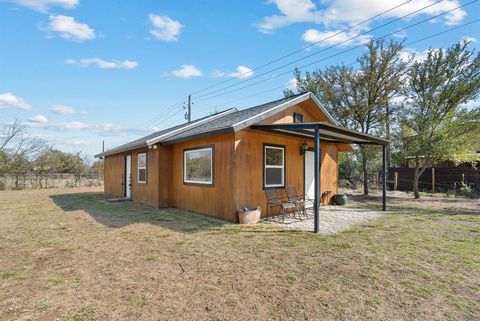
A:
[249,215]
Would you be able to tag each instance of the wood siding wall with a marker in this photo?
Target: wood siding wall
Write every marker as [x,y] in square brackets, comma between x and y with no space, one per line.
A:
[216,200]
[146,193]
[114,174]
[249,167]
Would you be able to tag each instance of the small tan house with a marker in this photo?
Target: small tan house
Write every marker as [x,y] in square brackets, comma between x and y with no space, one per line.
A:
[223,162]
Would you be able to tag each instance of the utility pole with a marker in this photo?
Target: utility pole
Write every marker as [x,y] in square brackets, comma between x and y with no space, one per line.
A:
[188,113]
[103,146]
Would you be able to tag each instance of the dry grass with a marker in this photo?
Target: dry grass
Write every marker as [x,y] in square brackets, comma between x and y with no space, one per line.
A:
[70,255]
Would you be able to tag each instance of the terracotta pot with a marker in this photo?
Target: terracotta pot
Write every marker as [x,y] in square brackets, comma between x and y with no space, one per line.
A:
[249,215]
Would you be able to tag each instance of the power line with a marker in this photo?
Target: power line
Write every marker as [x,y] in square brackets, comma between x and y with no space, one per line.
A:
[307,47]
[328,57]
[350,64]
[159,116]
[350,49]
[332,46]
[308,56]
[283,57]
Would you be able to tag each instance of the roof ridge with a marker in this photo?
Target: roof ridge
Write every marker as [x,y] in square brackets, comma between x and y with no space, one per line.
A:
[188,126]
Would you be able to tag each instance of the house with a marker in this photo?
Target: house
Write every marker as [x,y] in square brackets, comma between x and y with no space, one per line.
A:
[223,162]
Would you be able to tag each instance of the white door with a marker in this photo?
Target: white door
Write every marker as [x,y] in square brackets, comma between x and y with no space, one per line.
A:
[310,174]
[128,176]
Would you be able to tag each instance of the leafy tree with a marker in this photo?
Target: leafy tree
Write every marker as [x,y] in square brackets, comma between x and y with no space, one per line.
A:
[435,123]
[358,98]
[97,167]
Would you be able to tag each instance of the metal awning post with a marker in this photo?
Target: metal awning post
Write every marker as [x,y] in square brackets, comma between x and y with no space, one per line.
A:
[316,205]
[384,189]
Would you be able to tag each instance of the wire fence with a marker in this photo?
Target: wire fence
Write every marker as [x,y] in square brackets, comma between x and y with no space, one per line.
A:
[43,181]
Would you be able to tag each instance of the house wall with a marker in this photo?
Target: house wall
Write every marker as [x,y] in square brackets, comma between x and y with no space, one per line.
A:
[165,187]
[216,200]
[308,109]
[146,193]
[249,144]
[114,174]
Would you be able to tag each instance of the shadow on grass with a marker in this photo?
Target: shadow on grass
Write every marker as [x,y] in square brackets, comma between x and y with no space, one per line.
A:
[422,206]
[120,214]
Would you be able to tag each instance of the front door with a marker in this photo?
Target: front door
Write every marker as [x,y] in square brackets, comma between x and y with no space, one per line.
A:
[310,174]
[128,176]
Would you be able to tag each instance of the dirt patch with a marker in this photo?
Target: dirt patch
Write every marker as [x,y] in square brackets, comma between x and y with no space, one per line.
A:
[71,255]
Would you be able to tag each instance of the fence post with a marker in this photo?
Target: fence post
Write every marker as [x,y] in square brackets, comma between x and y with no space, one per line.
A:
[395,181]
[433,179]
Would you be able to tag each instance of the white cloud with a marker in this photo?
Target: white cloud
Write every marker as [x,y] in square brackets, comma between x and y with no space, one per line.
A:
[187,71]
[293,11]
[218,74]
[44,5]
[292,84]
[335,13]
[79,142]
[242,72]
[73,125]
[164,28]
[103,64]
[469,39]
[327,38]
[39,119]
[62,109]
[76,125]
[69,28]
[414,55]
[12,101]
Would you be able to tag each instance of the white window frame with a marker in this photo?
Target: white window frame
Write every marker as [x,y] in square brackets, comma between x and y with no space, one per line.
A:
[192,150]
[265,166]
[143,167]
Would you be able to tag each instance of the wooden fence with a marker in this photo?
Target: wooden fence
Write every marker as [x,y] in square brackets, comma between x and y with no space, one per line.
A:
[441,179]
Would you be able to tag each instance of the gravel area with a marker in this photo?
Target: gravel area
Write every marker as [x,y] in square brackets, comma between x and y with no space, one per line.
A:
[333,219]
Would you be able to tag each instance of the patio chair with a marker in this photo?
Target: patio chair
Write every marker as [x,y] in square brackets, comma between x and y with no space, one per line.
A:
[275,201]
[300,201]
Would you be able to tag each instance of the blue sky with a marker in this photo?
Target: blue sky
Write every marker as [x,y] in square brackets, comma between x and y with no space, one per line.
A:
[76,72]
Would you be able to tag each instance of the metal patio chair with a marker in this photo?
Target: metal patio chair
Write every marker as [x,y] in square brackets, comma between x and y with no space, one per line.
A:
[275,201]
[300,201]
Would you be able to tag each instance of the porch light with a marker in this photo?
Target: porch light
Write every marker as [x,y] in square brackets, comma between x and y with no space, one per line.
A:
[155,147]
[303,148]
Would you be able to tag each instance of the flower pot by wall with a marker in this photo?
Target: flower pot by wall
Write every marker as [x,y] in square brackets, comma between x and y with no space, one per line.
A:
[249,215]
[341,199]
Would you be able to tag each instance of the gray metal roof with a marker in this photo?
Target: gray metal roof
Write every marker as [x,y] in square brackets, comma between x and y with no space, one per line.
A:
[227,121]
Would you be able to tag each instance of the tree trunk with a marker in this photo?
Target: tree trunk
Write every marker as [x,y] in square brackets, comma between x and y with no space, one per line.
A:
[365,171]
[416,178]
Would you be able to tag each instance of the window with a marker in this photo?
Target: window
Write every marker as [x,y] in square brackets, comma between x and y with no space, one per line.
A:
[142,168]
[297,118]
[274,166]
[198,166]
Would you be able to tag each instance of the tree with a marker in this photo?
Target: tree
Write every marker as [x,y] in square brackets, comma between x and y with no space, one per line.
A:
[17,149]
[358,98]
[436,124]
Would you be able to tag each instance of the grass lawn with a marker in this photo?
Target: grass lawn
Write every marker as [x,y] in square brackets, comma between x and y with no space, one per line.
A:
[71,255]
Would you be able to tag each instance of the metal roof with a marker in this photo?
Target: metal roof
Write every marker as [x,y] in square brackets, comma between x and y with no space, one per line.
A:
[230,120]
[327,132]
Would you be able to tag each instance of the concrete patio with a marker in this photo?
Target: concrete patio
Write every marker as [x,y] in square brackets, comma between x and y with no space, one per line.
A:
[333,219]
